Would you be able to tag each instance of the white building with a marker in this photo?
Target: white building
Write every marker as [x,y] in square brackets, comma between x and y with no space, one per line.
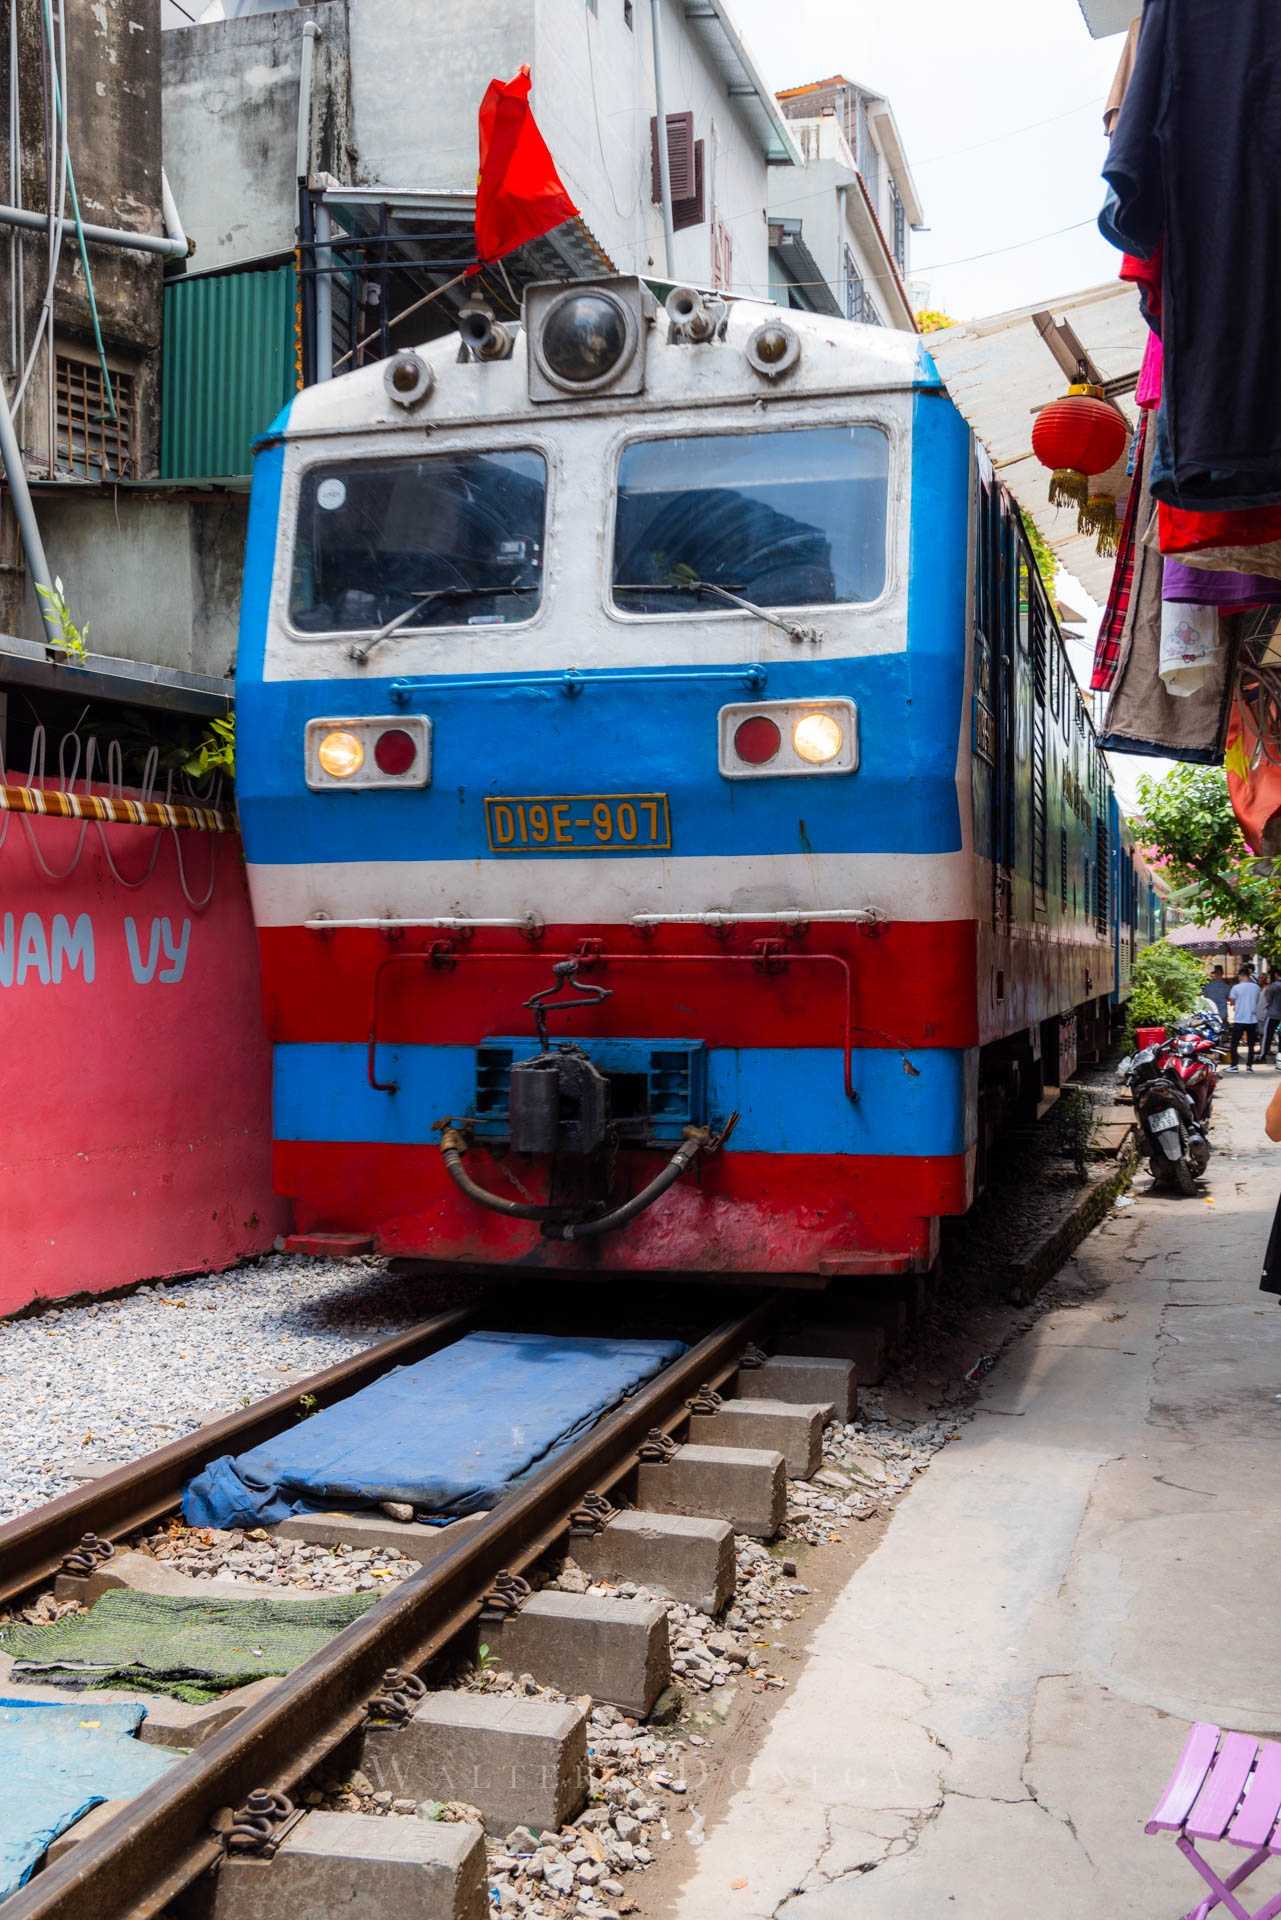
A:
[840,230]
[402,84]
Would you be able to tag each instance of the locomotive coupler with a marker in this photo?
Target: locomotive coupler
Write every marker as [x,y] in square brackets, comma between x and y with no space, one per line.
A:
[559,1103]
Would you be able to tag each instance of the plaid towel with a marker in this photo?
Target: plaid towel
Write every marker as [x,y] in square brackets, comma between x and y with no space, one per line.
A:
[1107,648]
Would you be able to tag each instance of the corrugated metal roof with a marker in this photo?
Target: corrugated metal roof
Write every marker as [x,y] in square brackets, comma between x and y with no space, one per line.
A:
[1103,17]
[999,371]
[228,368]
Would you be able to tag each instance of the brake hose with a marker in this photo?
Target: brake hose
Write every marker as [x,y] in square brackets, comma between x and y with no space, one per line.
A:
[453,1145]
[684,1156]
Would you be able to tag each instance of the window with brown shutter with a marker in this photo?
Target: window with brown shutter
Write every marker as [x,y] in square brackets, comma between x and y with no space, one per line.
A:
[691,212]
[680,156]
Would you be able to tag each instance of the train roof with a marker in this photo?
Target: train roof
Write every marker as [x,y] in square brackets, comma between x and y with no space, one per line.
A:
[836,357]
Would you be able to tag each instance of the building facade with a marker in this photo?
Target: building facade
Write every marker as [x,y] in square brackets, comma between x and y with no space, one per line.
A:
[394,101]
[841,228]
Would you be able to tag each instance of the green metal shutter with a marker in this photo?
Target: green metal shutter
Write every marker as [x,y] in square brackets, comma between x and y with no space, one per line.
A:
[228,369]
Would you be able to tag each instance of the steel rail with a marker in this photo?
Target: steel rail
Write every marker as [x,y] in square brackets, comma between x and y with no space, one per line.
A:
[164,1839]
[143,1491]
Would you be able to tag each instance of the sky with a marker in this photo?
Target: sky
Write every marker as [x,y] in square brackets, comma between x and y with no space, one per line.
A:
[961,80]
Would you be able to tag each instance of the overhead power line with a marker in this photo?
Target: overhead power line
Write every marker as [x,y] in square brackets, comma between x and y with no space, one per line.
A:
[955,153]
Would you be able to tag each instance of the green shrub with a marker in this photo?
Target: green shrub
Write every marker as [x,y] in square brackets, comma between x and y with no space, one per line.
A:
[1166,984]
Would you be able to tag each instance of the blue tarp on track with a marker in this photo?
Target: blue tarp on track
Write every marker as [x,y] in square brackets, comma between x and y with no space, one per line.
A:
[56,1763]
[448,1435]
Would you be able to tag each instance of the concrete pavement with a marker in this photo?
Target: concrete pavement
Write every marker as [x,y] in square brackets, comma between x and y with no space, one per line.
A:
[993,1704]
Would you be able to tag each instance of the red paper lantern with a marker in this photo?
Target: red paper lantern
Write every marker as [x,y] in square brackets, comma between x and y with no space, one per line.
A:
[1079,435]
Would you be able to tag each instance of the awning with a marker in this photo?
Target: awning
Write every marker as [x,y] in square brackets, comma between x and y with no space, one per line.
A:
[1000,371]
[1214,938]
[714,29]
[800,268]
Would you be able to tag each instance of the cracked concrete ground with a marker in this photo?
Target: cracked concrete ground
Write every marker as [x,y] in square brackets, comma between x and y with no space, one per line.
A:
[991,1708]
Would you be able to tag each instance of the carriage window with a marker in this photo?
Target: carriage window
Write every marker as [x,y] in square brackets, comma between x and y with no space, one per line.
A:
[455,539]
[786,519]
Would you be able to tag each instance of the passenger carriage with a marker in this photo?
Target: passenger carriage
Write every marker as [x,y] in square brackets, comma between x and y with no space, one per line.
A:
[675,833]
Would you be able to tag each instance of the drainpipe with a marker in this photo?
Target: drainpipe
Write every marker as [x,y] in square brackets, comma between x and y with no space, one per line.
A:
[310,35]
[101,236]
[172,218]
[660,119]
[324,262]
[20,493]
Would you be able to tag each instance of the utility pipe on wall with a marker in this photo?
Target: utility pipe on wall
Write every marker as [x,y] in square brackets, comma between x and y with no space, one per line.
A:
[32,544]
[100,236]
[172,218]
[324,263]
[660,122]
[310,35]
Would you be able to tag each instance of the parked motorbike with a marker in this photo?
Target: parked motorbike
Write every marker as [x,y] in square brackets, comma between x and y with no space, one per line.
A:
[1166,1084]
[1192,1055]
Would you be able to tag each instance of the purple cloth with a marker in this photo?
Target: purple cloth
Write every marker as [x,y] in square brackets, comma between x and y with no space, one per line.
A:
[1201,587]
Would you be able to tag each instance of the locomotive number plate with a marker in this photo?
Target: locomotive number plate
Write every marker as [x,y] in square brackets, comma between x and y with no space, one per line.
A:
[578,823]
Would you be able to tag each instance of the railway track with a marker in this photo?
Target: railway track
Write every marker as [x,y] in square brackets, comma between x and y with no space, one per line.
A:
[149,1489]
[141,1860]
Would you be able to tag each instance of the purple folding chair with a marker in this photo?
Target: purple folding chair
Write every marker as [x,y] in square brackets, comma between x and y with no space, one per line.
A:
[1226,1786]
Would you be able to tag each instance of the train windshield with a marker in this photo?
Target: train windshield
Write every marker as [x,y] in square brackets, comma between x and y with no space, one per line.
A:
[454,539]
[790,518]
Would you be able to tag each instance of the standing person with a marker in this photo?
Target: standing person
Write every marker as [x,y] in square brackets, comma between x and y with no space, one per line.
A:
[1243,1004]
[1270,1017]
[1216,989]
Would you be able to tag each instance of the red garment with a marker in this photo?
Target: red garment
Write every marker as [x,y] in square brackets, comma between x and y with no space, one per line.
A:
[519,195]
[1146,275]
[1181,530]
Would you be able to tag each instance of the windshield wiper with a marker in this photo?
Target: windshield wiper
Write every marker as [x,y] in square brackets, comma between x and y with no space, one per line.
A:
[361,650]
[788,627]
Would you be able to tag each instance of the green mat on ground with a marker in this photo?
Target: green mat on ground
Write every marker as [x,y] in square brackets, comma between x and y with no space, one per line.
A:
[192,1648]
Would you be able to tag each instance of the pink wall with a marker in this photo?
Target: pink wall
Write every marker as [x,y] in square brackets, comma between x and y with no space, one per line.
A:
[134,1068]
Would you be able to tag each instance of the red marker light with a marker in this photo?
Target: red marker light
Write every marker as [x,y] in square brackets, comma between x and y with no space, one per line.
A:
[757,740]
[395,751]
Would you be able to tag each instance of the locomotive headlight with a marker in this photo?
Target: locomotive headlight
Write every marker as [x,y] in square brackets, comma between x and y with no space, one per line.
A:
[584,337]
[817,738]
[341,754]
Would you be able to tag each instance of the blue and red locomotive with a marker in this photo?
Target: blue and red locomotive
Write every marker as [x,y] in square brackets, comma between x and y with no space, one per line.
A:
[674,829]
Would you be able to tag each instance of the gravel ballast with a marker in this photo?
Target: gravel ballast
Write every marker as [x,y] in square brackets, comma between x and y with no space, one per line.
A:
[103,1381]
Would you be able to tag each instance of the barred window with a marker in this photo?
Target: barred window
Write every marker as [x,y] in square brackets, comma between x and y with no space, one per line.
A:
[91,441]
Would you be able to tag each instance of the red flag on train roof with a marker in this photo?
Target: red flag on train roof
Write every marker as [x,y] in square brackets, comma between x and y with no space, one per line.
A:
[519,194]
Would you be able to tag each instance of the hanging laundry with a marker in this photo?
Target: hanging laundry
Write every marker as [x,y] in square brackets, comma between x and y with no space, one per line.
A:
[1202,587]
[1146,275]
[1259,562]
[1124,73]
[1196,160]
[1254,778]
[1189,658]
[1148,392]
[1107,647]
[1185,531]
[1143,715]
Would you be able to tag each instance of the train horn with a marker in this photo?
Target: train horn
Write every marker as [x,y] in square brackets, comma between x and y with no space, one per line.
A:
[485,337]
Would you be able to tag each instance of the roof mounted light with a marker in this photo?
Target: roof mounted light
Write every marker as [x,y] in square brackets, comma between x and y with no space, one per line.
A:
[408,379]
[588,338]
[773,350]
